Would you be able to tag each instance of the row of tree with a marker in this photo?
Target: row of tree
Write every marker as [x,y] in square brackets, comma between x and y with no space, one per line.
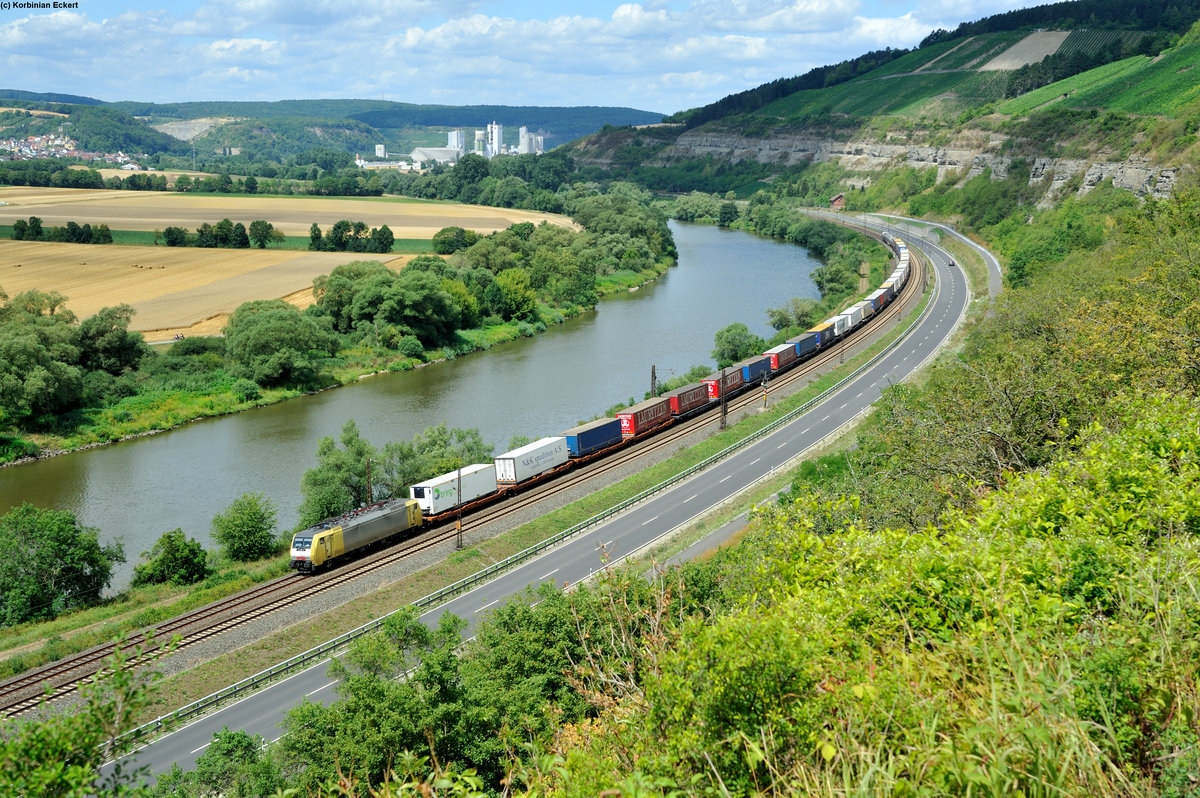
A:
[225,234]
[71,233]
[347,236]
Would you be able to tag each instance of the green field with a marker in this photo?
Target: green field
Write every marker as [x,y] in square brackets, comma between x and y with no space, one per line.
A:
[1092,40]
[1100,76]
[906,95]
[1162,87]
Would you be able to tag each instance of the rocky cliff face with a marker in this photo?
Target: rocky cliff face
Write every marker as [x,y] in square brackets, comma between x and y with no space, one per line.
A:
[973,150]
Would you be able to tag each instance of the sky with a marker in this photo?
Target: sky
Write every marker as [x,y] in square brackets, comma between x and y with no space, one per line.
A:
[656,55]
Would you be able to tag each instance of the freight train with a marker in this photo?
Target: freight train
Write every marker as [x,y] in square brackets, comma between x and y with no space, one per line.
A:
[472,486]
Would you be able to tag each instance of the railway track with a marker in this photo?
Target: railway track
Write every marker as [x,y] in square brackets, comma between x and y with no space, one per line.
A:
[64,677]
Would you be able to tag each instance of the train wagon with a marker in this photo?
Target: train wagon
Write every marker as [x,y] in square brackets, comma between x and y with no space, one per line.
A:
[335,537]
[866,309]
[877,299]
[593,436]
[753,368]
[718,384]
[782,356]
[441,493]
[840,325]
[824,333]
[805,343]
[853,316]
[528,461]
[643,416]
[688,398]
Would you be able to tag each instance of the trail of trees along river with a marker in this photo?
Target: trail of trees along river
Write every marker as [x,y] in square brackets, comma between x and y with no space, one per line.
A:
[137,490]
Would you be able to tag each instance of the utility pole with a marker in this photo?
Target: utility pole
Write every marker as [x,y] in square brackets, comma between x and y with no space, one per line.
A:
[724,406]
[653,382]
[458,540]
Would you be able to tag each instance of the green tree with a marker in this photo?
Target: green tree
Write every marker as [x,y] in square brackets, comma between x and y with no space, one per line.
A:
[234,763]
[345,477]
[59,757]
[449,240]
[246,529]
[517,299]
[260,232]
[174,558]
[106,343]
[39,356]
[175,236]
[274,344]
[728,214]
[316,241]
[239,239]
[470,170]
[57,565]
[381,239]
[734,343]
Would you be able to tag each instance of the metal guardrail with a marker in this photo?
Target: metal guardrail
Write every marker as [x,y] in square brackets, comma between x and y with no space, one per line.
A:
[438,597]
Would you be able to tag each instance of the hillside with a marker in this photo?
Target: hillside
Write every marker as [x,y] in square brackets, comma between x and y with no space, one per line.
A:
[278,130]
[1090,103]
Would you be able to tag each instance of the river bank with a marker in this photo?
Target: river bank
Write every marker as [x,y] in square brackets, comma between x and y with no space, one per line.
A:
[143,416]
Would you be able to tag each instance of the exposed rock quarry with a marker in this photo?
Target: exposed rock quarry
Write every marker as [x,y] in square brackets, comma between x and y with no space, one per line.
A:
[975,151]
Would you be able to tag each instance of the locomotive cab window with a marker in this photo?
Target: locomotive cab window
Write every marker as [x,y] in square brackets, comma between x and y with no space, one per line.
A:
[301,543]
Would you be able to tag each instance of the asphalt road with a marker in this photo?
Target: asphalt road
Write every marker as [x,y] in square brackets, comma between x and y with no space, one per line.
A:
[261,713]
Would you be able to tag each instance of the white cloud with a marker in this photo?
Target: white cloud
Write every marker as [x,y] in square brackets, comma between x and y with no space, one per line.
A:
[655,54]
[902,31]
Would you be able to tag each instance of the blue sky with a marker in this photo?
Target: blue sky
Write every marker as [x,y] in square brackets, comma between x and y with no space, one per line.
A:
[655,55]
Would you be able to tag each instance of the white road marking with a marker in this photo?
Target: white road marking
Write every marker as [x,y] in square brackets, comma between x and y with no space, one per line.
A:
[655,518]
[547,576]
[319,689]
[785,443]
[689,498]
[485,606]
[728,477]
[201,748]
[755,460]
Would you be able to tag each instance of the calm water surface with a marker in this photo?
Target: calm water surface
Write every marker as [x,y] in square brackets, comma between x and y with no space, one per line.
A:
[537,386]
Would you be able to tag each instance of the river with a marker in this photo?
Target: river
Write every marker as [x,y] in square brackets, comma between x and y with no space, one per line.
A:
[137,490]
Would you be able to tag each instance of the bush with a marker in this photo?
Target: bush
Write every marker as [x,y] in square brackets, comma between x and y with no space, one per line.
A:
[246,530]
[246,390]
[175,559]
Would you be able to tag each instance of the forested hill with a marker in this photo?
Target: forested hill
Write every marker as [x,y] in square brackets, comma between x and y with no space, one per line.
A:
[276,130]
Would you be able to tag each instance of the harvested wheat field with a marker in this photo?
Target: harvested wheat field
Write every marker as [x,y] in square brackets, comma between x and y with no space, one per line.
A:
[154,210]
[173,290]
[193,291]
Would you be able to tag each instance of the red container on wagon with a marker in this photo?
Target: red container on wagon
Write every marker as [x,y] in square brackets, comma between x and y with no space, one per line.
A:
[734,379]
[643,416]
[781,356]
[688,398]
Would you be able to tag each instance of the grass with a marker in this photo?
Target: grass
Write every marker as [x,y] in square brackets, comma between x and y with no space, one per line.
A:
[123,614]
[1020,106]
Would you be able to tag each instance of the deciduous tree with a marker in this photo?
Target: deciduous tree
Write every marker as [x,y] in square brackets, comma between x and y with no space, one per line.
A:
[57,564]
[246,529]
